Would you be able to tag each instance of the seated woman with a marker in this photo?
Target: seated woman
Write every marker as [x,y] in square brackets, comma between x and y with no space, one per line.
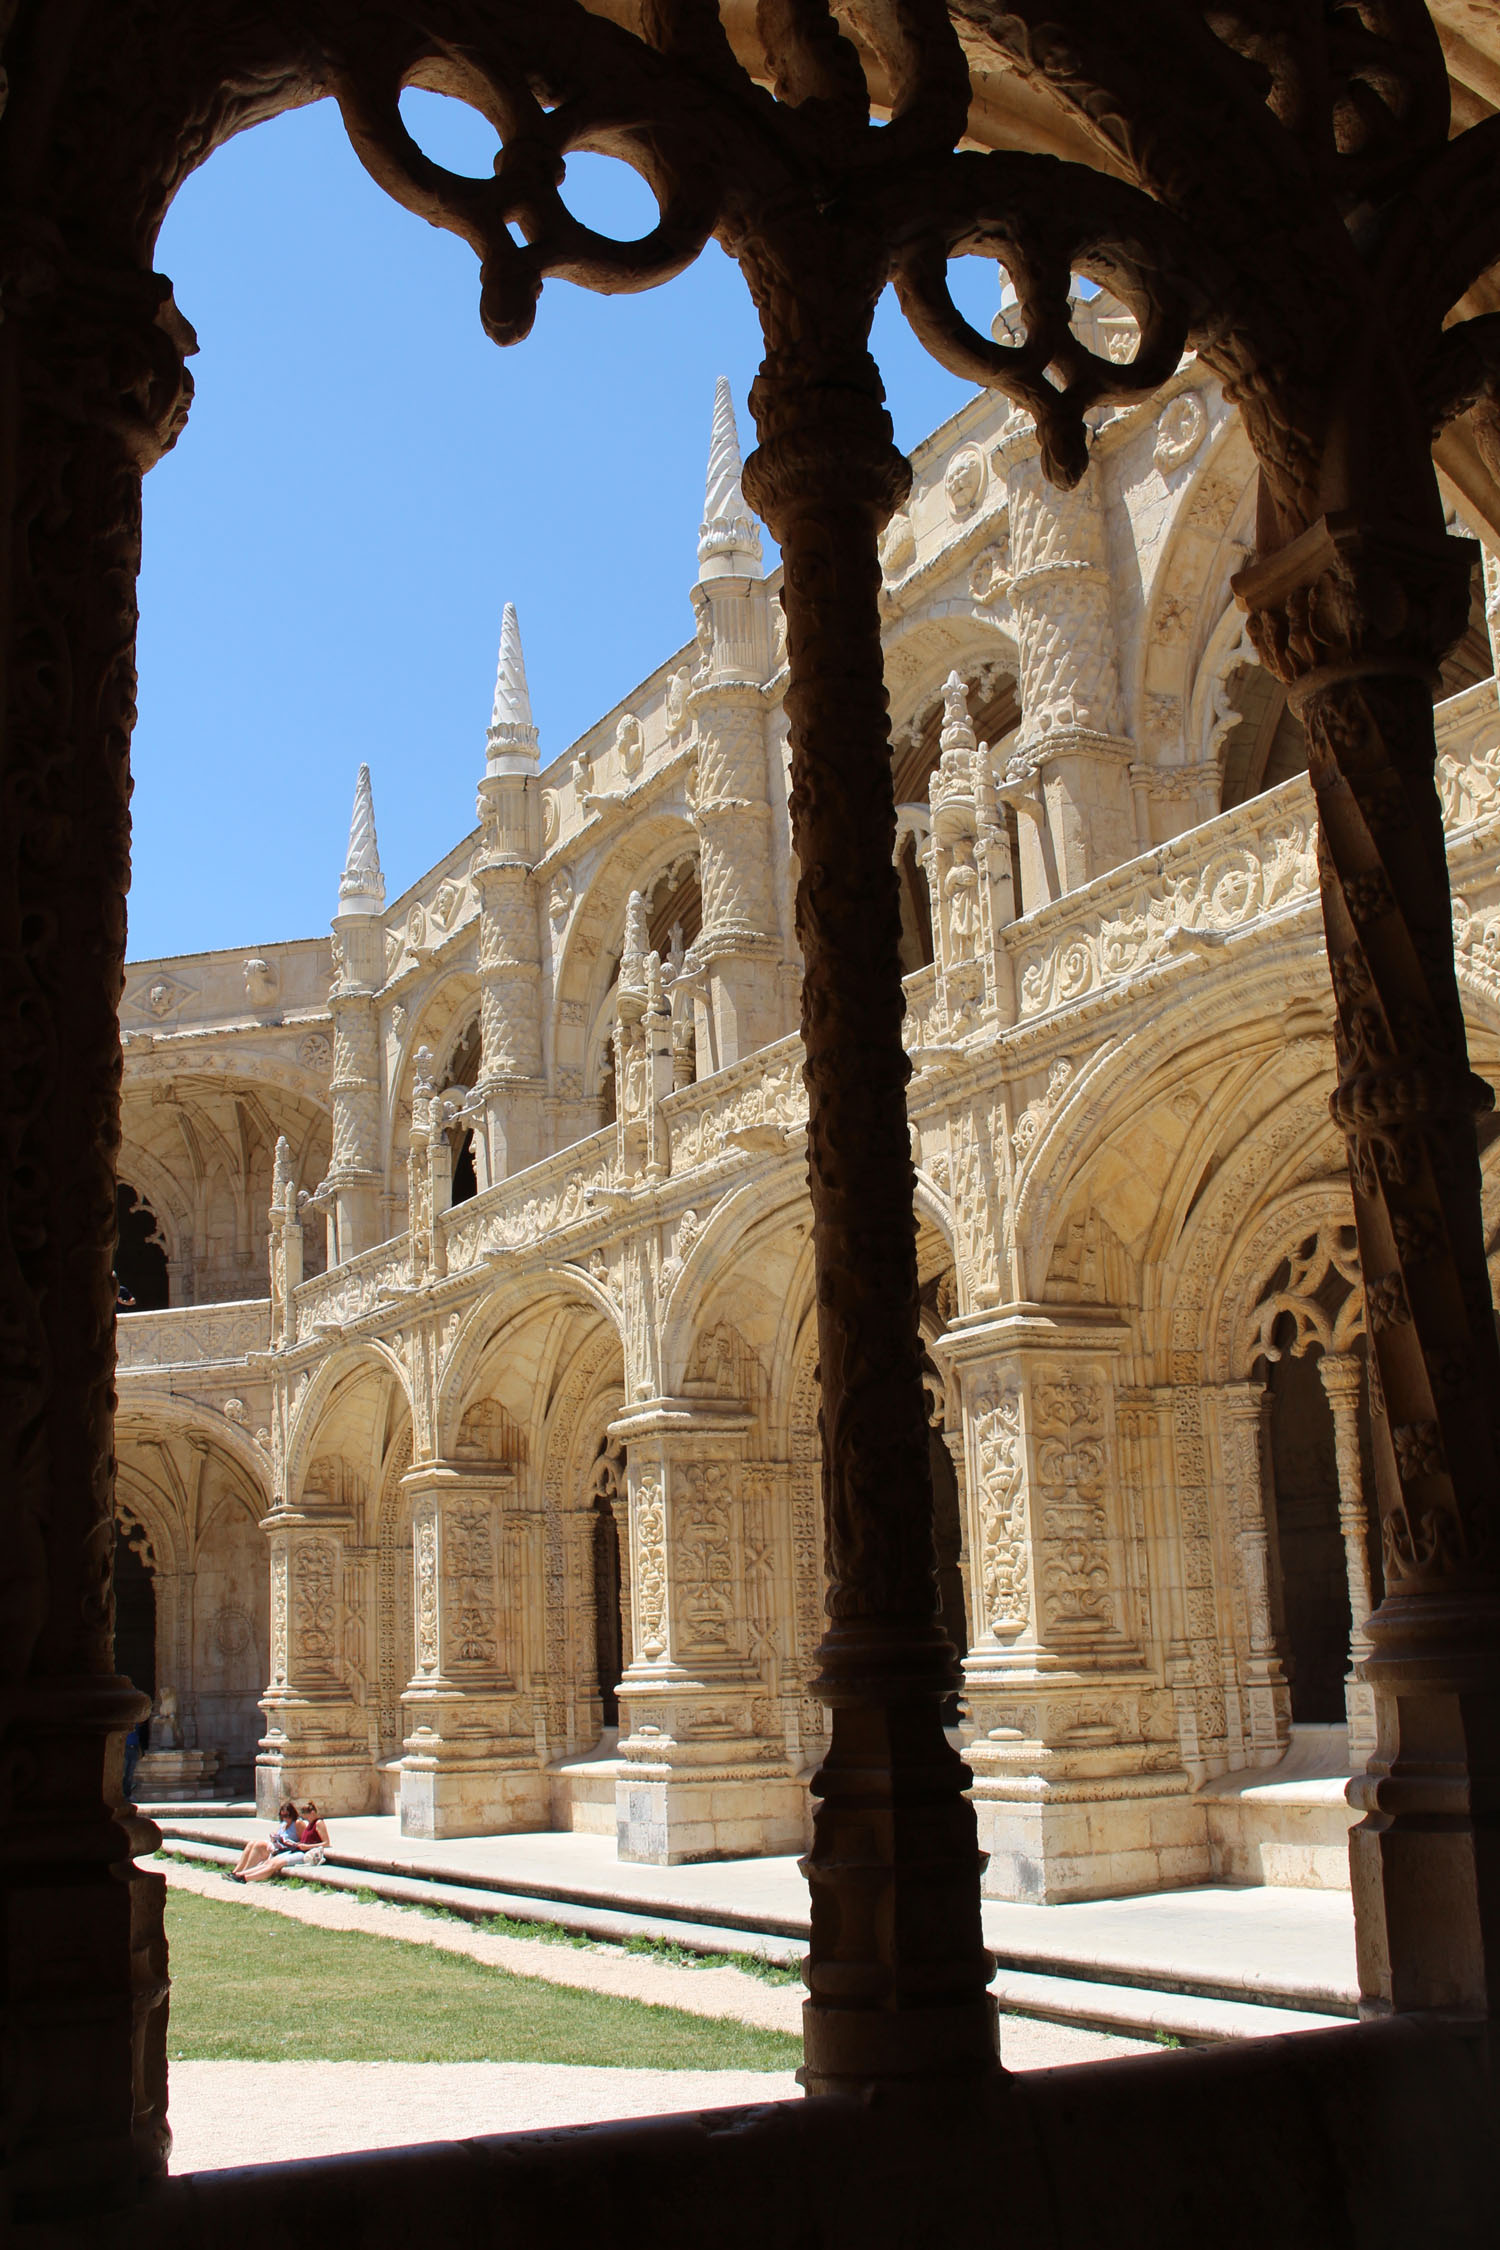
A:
[260,1859]
[312,1834]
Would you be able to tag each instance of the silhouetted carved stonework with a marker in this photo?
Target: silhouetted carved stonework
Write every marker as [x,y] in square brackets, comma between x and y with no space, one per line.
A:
[709,1112]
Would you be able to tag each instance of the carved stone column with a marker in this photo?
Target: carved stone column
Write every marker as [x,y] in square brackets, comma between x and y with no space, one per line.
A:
[707,1774]
[94,390]
[317,1740]
[510,1083]
[740,945]
[469,1765]
[1342,1376]
[1078,1781]
[1070,698]
[897,1973]
[1263,1687]
[970,876]
[351,1193]
[1355,618]
[284,1248]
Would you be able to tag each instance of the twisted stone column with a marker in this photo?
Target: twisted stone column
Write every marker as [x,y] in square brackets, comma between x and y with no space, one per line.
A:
[92,391]
[510,970]
[1070,738]
[1356,618]
[1342,1375]
[897,1971]
[353,1183]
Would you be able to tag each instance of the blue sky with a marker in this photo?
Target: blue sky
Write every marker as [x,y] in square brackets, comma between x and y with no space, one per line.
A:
[365,480]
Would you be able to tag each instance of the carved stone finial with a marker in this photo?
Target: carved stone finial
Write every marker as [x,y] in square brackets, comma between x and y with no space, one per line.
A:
[637,944]
[362,887]
[512,735]
[283,1193]
[958,730]
[728,542]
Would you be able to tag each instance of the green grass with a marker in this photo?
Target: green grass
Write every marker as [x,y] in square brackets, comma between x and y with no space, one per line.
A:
[542,1933]
[255,1987]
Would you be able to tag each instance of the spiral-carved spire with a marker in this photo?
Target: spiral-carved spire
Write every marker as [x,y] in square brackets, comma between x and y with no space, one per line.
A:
[362,886]
[512,731]
[728,542]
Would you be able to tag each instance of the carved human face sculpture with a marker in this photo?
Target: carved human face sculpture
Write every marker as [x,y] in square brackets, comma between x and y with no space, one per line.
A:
[964,481]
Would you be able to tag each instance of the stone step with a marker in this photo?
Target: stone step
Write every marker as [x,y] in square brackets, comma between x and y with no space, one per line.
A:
[1130,2008]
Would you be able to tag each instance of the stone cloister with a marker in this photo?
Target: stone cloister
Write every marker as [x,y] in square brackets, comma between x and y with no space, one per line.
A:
[840,1277]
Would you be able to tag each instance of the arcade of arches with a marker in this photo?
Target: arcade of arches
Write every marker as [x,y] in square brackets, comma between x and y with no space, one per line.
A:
[841,1161]
[1141,1312]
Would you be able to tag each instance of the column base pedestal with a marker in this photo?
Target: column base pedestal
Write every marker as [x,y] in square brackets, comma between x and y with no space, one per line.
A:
[169,1776]
[1065,1843]
[668,1819]
[319,1751]
[442,1797]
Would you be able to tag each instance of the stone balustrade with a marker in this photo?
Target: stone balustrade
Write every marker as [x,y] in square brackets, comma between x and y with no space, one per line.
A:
[193,1335]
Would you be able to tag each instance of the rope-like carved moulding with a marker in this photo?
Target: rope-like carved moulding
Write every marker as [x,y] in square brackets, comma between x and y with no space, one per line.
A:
[1270,196]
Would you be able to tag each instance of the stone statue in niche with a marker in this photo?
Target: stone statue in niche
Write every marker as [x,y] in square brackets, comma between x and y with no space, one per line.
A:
[961,892]
[630,745]
[166,1721]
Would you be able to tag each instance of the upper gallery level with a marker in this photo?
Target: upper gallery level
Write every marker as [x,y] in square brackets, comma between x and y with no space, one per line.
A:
[1070,689]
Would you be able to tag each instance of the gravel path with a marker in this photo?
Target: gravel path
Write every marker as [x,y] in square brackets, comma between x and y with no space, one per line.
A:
[226,2113]
[271,2112]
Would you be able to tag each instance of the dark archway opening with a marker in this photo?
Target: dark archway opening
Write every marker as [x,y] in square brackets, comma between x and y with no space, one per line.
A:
[947,1539]
[465,1179]
[608,1653]
[140,1254]
[135,1615]
[1309,1542]
[607,1486]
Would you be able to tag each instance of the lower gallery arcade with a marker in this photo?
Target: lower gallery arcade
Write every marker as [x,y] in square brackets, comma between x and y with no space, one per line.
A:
[958,1117]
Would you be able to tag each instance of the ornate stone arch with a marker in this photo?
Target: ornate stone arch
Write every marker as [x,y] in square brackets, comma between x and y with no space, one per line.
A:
[345,1362]
[633,863]
[1231,1333]
[146,1407]
[558,1288]
[437,1019]
[1189,593]
[700,1270]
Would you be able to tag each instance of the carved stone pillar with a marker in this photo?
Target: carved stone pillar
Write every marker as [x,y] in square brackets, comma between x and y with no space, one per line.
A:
[284,1248]
[91,371]
[1078,1783]
[897,1972]
[470,1764]
[1342,1376]
[707,1774]
[1263,1688]
[351,1192]
[510,1083]
[644,1053]
[740,943]
[970,876]
[1355,618]
[1070,736]
[317,1740]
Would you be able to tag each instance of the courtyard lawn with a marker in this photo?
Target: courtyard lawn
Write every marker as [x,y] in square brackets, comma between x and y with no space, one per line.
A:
[250,1986]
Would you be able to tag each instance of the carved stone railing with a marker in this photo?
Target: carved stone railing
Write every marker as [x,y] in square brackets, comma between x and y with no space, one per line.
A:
[536,1203]
[1248,865]
[193,1335]
[348,1292]
[1468,757]
[737,1109]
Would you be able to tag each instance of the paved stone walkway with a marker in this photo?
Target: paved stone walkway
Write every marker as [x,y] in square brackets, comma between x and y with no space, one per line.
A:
[1296,1945]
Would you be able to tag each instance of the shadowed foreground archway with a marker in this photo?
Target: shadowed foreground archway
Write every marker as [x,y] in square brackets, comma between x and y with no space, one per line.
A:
[1259,192]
